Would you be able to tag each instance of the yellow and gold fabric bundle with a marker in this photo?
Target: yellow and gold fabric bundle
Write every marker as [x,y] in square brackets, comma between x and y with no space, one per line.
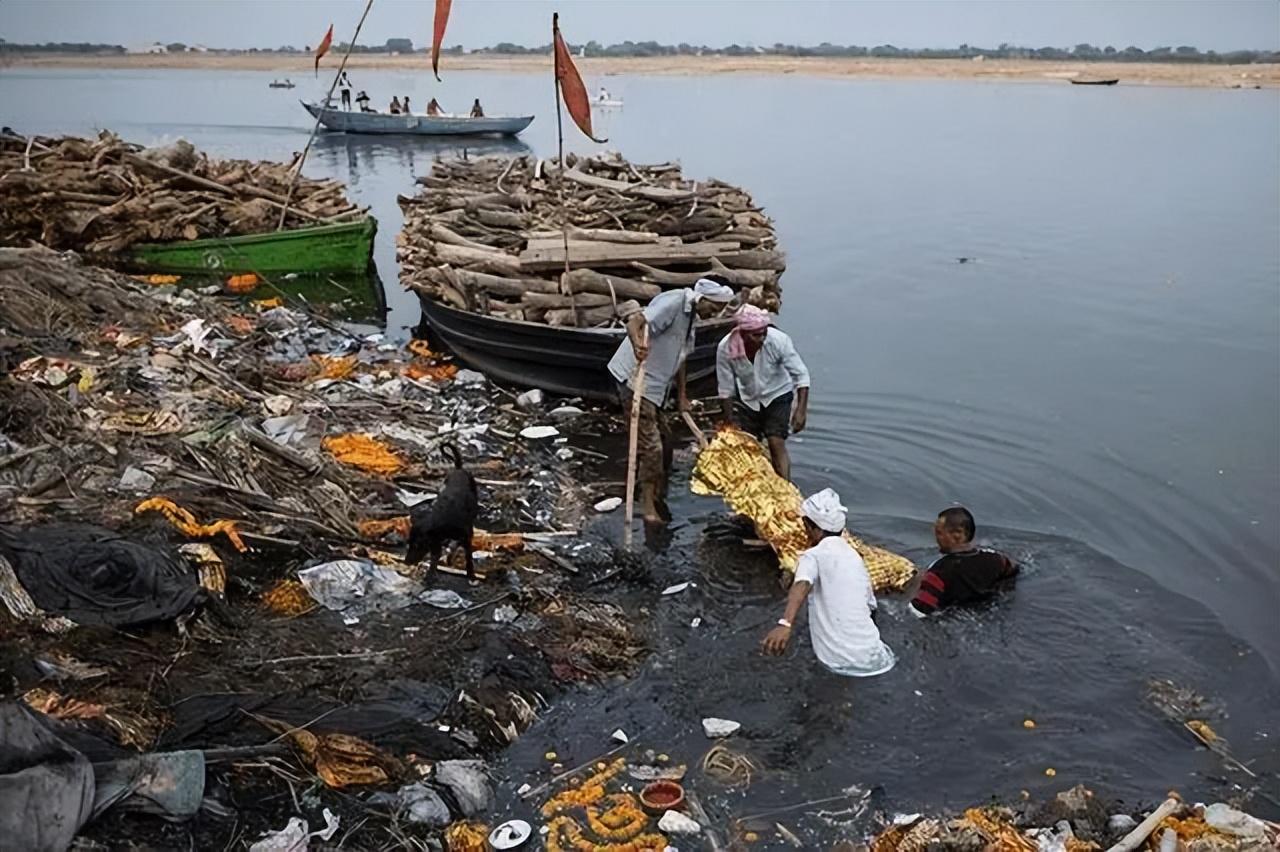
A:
[736,467]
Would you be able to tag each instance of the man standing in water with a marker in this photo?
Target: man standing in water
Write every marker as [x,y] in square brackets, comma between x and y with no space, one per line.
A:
[842,602]
[964,573]
[661,337]
[763,384]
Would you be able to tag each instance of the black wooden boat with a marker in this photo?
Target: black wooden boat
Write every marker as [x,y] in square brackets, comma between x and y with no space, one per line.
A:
[564,361]
[1110,82]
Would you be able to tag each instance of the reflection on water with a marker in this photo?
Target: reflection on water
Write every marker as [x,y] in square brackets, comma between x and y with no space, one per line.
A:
[407,152]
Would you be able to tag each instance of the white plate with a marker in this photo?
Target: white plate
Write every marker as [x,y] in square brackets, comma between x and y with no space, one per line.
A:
[510,834]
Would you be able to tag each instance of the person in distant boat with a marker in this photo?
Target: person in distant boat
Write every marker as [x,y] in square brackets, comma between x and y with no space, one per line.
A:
[394,109]
[964,573]
[604,95]
[763,385]
[406,109]
[477,111]
[832,577]
[362,100]
[658,341]
[433,108]
[345,90]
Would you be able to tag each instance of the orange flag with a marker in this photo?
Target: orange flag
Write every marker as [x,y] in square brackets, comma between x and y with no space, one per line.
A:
[437,36]
[572,92]
[325,43]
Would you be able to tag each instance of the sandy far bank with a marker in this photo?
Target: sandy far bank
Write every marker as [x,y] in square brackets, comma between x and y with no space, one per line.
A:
[298,65]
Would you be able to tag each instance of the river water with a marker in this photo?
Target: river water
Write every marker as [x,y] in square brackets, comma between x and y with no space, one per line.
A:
[1099,383]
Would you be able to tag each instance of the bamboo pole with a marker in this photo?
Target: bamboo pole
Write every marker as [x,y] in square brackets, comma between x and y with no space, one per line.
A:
[633,442]
[1135,838]
[288,196]
[566,286]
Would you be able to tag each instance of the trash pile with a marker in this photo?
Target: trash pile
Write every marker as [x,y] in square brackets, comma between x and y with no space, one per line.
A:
[1077,821]
[736,466]
[203,600]
[484,235]
[100,196]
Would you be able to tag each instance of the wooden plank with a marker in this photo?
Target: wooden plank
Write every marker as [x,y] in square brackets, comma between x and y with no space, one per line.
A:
[621,254]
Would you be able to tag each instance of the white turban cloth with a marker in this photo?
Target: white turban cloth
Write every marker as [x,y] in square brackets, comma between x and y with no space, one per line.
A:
[708,289]
[825,510]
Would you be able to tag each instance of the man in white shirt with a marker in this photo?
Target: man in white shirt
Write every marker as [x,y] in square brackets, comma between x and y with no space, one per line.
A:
[661,337]
[763,384]
[842,602]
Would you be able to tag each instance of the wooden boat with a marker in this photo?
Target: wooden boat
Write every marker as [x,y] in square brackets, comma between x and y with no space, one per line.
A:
[276,84]
[340,247]
[607,103]
[344,121]
[1110,82]
[559,360]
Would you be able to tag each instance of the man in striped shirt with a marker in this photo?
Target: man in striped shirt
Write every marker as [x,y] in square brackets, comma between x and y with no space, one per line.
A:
[964,573]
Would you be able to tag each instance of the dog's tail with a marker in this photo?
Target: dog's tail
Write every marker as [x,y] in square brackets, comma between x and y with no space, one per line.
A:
[450,451]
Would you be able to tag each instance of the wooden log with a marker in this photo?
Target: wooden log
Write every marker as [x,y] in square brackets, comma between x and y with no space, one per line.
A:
[590,316]
[551,300]
[639,190]
[495,285]
[620,254]
[440,233]
[755,259]
[498,218]
[736,277]
[498,263]
[590,281]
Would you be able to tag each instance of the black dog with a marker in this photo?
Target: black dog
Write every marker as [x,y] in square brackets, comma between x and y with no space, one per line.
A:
[450,517]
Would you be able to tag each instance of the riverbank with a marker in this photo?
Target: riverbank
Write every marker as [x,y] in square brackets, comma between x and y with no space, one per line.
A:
[1021,71]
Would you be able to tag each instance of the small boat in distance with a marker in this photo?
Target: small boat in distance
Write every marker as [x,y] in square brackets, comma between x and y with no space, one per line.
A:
[276,84]
[1110,82]
[345,121]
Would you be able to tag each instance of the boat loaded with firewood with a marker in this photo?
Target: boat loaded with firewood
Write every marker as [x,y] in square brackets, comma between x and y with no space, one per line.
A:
[483,248]
[174,209]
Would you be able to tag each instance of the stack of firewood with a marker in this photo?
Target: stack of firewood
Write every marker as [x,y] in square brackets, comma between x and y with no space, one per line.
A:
[100,196]
[488,235]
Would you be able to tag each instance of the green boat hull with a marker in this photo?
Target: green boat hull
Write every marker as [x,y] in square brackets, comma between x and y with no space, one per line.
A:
[344,247]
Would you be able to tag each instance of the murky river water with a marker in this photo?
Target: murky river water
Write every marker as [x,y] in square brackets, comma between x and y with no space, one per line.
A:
[1101,385]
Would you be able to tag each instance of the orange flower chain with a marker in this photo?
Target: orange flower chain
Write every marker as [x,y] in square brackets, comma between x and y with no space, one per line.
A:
[365,452]
[187,523]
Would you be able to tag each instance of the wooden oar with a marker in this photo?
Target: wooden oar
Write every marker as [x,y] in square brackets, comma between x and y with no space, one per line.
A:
[637,397]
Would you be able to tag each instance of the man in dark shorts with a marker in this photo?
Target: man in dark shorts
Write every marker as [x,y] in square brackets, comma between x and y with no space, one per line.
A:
[964,573]
[763,384]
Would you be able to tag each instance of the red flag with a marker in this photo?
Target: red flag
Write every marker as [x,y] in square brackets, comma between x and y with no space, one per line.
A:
[437,36]
[324,47]
[572,92]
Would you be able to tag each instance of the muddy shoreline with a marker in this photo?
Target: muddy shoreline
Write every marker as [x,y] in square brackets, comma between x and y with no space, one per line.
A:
[1006,70]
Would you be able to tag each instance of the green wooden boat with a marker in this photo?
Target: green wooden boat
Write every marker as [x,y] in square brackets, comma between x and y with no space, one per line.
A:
[342,247]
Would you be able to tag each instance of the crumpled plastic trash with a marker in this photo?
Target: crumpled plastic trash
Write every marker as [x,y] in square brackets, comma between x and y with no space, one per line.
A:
[1228,820]
[469,784]
[287,429]
[469,378]
[608,504]
[420,803]
[537,433]
[46,785]
[166,784]
[136,479]
[357,587]
[197,334]
[717,728]
[505,614]
[295,837]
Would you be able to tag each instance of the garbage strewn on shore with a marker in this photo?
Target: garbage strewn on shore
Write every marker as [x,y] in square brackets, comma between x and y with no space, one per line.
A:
[484,235]
[101,196]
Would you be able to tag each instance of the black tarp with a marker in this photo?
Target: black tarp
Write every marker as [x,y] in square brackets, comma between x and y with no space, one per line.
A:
[46,787]
[95,576]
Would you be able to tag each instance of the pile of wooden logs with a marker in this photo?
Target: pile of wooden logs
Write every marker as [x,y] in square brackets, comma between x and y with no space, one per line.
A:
[100,196]
[485,235]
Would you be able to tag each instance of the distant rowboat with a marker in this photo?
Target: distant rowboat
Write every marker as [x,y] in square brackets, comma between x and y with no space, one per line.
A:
[341,247]
[276,84]
[1110,82]
[417,125]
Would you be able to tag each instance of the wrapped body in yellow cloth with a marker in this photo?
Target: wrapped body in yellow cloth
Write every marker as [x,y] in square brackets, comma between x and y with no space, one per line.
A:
[736,467]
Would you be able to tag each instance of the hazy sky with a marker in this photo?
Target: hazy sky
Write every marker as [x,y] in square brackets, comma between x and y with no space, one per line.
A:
[1207,24]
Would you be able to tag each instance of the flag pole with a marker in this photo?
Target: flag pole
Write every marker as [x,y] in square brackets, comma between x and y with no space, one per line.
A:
[565,286]
[293,180]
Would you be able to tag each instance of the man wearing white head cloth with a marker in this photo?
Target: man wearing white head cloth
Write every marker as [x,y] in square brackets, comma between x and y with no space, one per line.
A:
[842,603]
[660,338]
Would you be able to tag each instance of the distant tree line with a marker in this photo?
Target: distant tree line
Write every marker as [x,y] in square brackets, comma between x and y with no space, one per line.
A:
[1081,52]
